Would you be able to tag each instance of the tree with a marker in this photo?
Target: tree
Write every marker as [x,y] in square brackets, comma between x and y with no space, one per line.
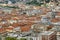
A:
[10,38]
[47,1]
[23,39]
[34,2]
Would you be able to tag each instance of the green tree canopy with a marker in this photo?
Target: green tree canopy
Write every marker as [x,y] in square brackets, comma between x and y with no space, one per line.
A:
[10,38]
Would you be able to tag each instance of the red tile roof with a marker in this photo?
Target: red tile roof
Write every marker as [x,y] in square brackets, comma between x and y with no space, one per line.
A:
[25,28]
[58,14]
[2,30]
[55,20]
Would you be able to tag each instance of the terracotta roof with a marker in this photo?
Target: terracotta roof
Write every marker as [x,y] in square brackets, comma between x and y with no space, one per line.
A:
[49,27]
[25,28]
[4,25]
[15,24]
[9,28]
[55,20]
[2,30]
[21,24]
[58,14]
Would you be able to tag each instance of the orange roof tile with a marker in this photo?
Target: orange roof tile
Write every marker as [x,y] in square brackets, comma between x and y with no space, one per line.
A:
[49,27]
[2,30]
[58,14]
[15,24]
[25,28]
[9,28]
[55,20]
